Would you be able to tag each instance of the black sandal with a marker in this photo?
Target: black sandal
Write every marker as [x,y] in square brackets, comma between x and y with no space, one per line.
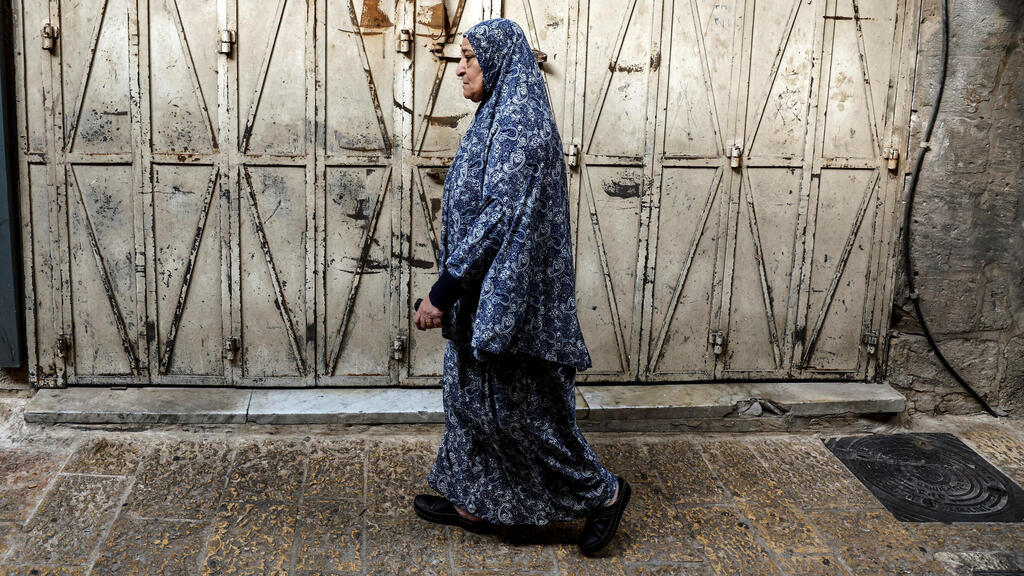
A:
[603,522]
[440,510]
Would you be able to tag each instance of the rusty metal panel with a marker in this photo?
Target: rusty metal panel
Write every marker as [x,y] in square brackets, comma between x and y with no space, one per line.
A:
[274,170]
[99,203]
[357,230]
[185,213]
[612,186]
[684,267]
[844,236]
[779,55]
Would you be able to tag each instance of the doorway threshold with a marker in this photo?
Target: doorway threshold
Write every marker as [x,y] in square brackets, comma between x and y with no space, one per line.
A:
[600,405]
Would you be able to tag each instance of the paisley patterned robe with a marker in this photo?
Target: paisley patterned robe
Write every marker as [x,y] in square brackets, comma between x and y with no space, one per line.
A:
[512,452]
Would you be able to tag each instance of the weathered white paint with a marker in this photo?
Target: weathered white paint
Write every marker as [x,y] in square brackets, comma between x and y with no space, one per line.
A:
[285,196]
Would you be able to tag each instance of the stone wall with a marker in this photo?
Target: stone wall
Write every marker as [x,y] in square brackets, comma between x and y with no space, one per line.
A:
[968,229]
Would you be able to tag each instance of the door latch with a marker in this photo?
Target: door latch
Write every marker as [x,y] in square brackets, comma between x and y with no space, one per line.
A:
[49,34]
[404,41]
[891,155]
[573,156]
[227,42]
[870,339]
[231,347]
[735,153]
[63,345]
[398,348]
[717,341]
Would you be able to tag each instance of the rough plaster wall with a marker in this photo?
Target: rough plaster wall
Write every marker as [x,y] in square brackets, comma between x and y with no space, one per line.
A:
[968,230]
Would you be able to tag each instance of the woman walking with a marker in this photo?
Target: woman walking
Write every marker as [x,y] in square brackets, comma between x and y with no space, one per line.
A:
[512,453]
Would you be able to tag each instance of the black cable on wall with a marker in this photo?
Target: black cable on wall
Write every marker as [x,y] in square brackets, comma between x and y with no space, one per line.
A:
[908,208]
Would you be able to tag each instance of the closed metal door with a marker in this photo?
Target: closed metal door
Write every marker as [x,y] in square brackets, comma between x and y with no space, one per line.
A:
[233,192]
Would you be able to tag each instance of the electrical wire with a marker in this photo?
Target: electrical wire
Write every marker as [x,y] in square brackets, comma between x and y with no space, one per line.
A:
[909,206]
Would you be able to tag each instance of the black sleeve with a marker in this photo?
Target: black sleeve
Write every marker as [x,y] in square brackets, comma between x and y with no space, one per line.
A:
[445,291]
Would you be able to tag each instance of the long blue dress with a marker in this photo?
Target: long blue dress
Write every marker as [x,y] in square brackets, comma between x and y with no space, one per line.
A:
[512,452]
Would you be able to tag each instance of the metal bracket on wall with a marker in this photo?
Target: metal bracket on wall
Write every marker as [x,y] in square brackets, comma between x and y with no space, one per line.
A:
[404,41]
[870,339]
[227,42]
[717,341]
[398,348]
[735,153]
[891,155]
[48,35]
[63,345]
[231,347]
[574,156]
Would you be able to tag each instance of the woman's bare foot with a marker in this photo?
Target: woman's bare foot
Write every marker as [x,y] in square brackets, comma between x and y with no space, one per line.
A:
[469,516]
[615,496]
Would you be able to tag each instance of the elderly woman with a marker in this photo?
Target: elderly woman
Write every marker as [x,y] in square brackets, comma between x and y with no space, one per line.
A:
[505,300]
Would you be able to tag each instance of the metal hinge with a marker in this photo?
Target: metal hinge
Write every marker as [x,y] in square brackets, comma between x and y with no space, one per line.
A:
[227,41]
[404,41]
[63,345]
[231,347]
[735,153]
[49,34]
[871,340]
[717,341]
[891,155]
[573,156]
[398,348]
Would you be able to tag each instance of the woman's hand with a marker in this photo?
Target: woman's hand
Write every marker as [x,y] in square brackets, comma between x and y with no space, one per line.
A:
[427,316]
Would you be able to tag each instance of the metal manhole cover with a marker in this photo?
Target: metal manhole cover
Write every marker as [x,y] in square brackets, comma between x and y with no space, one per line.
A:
[930,478]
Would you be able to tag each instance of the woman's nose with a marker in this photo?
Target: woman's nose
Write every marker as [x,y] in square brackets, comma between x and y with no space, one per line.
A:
[460,70]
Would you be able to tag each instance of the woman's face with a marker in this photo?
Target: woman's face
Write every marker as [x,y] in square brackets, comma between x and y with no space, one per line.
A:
[471,74]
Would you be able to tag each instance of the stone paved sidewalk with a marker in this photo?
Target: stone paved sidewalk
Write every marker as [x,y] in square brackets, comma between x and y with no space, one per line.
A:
[253,500]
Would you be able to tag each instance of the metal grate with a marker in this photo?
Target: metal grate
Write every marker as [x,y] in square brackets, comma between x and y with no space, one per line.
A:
[930,478]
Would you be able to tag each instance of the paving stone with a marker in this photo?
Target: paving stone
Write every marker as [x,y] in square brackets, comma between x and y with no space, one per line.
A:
[729,542]
[995,445]
[71,520]
[397,545]
[489,552]
[571,562]
[251,539]
[653,530]
[873,542]
[183,480]
[267,471]
[808,471]
[684,474]
[396,472]
[968,563]
[330,535]
[43,571]
[764,502]
[146,546]
[8,532]
[25,474]
[968,537]
[103,456]
[335,470]
[628,459]
[669,570]
[811,566]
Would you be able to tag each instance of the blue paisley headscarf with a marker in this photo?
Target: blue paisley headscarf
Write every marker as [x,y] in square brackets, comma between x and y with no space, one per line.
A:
[506,214]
